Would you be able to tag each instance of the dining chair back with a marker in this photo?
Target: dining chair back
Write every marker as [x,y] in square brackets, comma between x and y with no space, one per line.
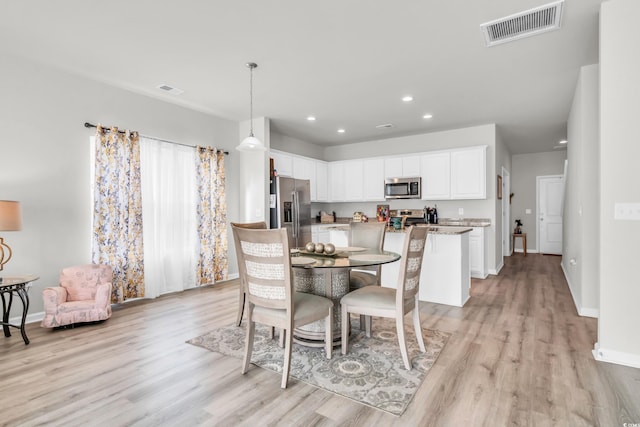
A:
[264,262]
[392,303]
[366,235]
[242,294]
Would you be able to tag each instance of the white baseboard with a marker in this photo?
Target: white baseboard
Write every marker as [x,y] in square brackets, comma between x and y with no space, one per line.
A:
[582,311]
[497,270]
[617,357]
[31,318]
[529,251]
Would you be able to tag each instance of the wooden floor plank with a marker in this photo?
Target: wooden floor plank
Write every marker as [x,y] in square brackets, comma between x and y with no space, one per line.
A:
[518,355]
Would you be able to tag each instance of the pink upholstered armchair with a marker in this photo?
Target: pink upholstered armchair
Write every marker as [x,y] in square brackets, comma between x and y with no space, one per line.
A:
[84,295]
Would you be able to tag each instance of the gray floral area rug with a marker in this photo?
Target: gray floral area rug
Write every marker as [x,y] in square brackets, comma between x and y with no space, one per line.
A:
[372,373]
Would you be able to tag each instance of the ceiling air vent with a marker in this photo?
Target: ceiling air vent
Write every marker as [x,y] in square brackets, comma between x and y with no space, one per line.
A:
[384,126]
[524,24]
[172,90]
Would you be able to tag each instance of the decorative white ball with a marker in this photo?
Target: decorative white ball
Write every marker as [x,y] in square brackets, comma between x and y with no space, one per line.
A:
[329,248]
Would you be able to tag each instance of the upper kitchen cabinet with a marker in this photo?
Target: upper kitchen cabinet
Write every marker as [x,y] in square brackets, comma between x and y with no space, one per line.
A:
[304,168]
[373,176]
[322,182]
[436,175]
[353,180]
[337,182]
[468,173]
[402,167]
[282,163]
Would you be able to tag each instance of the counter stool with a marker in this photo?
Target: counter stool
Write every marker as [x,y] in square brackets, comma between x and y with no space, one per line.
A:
[524,242]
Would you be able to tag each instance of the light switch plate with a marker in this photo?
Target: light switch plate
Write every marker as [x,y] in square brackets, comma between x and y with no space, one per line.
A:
[527,211]
[460,211]
[627,211]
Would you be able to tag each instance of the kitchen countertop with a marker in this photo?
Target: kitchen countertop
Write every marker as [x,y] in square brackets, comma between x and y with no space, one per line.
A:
[464,222]
[436,229]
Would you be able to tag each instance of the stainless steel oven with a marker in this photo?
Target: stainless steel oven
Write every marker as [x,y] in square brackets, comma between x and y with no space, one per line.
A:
[402,188]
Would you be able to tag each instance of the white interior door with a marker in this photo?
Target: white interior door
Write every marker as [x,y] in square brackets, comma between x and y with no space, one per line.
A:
[550,196]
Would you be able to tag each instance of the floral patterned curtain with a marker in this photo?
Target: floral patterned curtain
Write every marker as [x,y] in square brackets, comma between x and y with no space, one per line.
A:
[212,216]
[117,216]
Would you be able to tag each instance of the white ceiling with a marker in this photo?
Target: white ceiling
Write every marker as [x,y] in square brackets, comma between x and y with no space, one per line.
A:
[347,62]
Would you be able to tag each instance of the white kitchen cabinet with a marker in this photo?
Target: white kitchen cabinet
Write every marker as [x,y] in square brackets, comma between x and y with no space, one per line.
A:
[353,180]
[322,183]
[468,173]
[436,175]
[320,234]
[402,167]
[337,182]
[339,236]
[476,253]
[304,168]
[282,163]
[373,179]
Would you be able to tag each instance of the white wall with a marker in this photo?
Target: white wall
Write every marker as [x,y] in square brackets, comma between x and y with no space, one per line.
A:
[581,215]
[44,159]
[618,338]
[525,169]
[503,160]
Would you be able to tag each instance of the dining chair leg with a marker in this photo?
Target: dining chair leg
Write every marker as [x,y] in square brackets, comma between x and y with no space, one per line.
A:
[241,300]
[367,326]
[402,341]
[328,333]
[248,344]
[287,358]
[345,329]
[283,334]
[417,326]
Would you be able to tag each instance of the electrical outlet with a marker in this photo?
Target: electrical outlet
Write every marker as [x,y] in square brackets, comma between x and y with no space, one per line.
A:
[527,211]
[460,211]
[627,211]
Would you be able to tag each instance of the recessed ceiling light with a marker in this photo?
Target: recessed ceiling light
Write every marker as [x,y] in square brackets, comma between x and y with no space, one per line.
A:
[311,118]
[341,131]
[407,98]
[427,116]
[564,141]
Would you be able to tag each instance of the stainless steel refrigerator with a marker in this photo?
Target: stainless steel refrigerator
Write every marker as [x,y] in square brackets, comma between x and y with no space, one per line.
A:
[292,209]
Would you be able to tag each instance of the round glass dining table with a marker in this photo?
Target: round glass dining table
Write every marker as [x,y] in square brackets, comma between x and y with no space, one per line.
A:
[328,276]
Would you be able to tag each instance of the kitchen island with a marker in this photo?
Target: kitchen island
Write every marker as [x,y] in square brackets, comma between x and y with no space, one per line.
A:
[445,277]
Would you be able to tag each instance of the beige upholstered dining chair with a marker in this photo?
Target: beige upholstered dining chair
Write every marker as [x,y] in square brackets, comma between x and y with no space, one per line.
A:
[264,261]
[393,303]
[242,294]
[366,235]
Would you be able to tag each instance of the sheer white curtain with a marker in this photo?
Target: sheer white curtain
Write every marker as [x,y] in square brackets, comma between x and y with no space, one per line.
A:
[169,201]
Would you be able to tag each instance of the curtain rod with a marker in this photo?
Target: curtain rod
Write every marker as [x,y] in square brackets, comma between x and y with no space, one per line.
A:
[90,125]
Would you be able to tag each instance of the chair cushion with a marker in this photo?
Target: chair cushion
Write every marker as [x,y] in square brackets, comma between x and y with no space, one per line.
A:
[371,297]
[304,306]
[360,279]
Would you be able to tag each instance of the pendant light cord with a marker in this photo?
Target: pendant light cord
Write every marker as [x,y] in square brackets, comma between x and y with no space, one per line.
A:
[251,66]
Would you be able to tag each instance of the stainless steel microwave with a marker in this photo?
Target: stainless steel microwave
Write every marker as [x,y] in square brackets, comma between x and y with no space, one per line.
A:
[402,188]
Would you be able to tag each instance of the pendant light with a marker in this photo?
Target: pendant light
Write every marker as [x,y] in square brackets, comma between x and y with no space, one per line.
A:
[251,143]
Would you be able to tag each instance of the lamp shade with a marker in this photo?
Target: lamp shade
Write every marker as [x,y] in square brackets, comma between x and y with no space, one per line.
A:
[10,215]
[251,143]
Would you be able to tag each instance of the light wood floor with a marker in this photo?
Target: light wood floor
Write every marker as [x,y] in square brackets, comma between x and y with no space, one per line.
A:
[518,355]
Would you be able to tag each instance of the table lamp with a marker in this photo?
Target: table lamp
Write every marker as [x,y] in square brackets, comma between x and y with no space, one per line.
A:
[10,220]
